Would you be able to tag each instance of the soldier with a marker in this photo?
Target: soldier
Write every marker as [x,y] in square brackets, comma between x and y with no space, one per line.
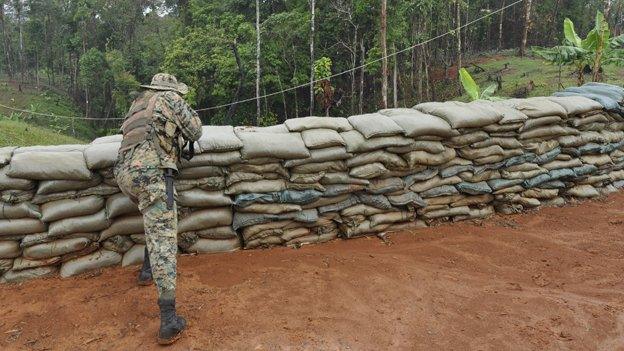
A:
[155,131]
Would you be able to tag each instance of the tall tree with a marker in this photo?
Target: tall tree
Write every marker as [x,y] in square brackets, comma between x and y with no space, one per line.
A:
[258,112]
[6,42]
[459,39]
[527,25]
[312,33]
[384,53]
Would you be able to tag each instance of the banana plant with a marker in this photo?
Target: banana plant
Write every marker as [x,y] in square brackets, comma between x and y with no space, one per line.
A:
[473,90]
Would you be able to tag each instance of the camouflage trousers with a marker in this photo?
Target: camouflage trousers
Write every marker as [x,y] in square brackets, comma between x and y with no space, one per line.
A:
[146,188]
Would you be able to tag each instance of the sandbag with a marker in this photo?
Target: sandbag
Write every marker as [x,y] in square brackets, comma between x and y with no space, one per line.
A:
[47,187]
[536,107]
[325,201]
[56,210]
[377,201]
[583,191]
[100,156]
[261,186]
[574,105]
[283,146]
[201,172]
[434,182]
[361,210]
[468,138]
[18,211]
[444,190]
[473,200]
[510,115]
[202,198]
[460,114]
[321,138]
[356,142]
[9,183]
[214,246]
[119,205]
[134,256]
[27,274]
[98,259]
[84,224]
[205,219]
[433,147]
[407,199]
[124,226]
[5,265]
[217,139]
[10,249]
[416,123]
[480,188]
[451,212]
[327,167]
[339,124]
[5,155]
[49,166]
[260,169]
[10,227]
[392,217]
[55,248]
[270,208]
[120,244]
[214,159]
[102,190]
[369,171]
[373,125]
[336,153]
[218,233]
[22,263]
[386,185]
[417,158]
[389,160]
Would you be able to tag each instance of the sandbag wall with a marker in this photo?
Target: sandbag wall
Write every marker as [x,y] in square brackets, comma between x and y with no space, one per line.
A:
[311,180]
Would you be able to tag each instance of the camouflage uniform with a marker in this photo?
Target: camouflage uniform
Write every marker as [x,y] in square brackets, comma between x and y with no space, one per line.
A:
[140,175]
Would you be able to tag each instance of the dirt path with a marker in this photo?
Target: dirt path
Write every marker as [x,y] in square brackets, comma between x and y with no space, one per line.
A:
[552,280]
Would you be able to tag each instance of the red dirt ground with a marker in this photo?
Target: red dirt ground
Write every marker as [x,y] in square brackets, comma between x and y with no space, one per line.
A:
[552,280]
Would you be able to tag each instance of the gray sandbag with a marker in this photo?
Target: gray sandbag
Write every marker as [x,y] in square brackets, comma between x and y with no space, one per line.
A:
[575,105]
[444,190]
[214,246]
[321,138]
[119,243]
[339,124]
[356,142]
[47,187]
[477,213]
[242,220]
[201,172]
[117,138]
[325,201]
[18,211]
[22,263]
[218,233]
[417,158]
[498,184]
[213,159]
[583,191]
[364,228]
[373,125]
[100,156]
[455,170]
[283,146]
[341,189]
[337,207]
[377,201]
[10,249]
[56,210]
[120,205]
[421,176]
[385,186]
[480,188]
[24,226]
[16,196]
[5,155]
[202,198]
[9,183]
[5,265]
[407,199]
[262,186]
[536,107]
[361,210]
[27,274]
[124,226]
[98,259]
[84,224]
[217,139]
[416,123]
[287,196]
[460,114]
[434,182]
[205,219]
[547,157]
[369,171]
[49,166]
[336,153]
[134,256]
[102,190]
[55,248]
[389,160]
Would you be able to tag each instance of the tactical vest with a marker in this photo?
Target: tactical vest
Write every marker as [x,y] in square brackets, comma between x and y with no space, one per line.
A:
[139,124]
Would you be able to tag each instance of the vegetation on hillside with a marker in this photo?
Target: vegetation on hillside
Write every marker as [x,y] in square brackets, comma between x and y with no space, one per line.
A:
[19,133]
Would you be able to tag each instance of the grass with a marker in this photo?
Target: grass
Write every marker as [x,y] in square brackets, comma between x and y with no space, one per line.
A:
[19,133]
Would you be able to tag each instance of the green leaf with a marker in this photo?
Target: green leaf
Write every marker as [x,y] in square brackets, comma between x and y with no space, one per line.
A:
[489,91]
[592,41]
[570,33]
[470,86]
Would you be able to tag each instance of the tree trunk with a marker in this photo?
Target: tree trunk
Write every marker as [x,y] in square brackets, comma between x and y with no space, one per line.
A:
[18,10]
[241,80]
[384,54]
[353,66]
[527,24]
[258,112]
[312,32]
[607,10]
[395,92]
[459,42]
[6,42]
[500,27]
[285,114]
[362,61]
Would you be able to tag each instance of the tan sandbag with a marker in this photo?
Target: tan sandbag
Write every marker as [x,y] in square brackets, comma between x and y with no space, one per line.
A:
[584,121]
[321,138]
[505,143]
[573,163]
[100,156]
[468,138]
[84,224]
[237,177]
[339,124]
[9,183]
[51,148]
[373,125]
[511,189]
[389,160]
[405,226]
[460,114]
[101,190]
[364,228]
[489,160]
[417,158]
[416,123]
[270,208]
[117,138]
[617,175]
[9,227]
[214,159]
[473,154]
[49,166]
[451,212]
[583,191]
[536,107]
[5,265]
[56,210]
[434,182]
[575,105]
[124,226]
[138,238]
[477,213]
[58,186]
[433,147]
[327,167]
[523,175]
[361,210]
[356,142]
[597,160]
[548,132]
[305,186]
[392,217]
[255,230]
[286,146]
[501,128]
[264,242]
[120,244]
[98,259]
[369,171]
[342,178]
[336,153]
[217,139]
[540,194]
[18,211]
[325,201]
[5,155]
[134,256]
[292,234]
[471,177]
[202,198]
[205,219]
[541,122]
[309,178]
[201,172]
[541,148]
[473,200]
[261,186]
[218,233]
[27,274]
[22,263]
[120,205]
[10,249]
[444,200]
[55,248]
[510,115]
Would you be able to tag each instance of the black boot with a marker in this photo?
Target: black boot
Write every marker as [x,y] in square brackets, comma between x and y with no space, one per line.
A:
[145,275]
[171,325]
